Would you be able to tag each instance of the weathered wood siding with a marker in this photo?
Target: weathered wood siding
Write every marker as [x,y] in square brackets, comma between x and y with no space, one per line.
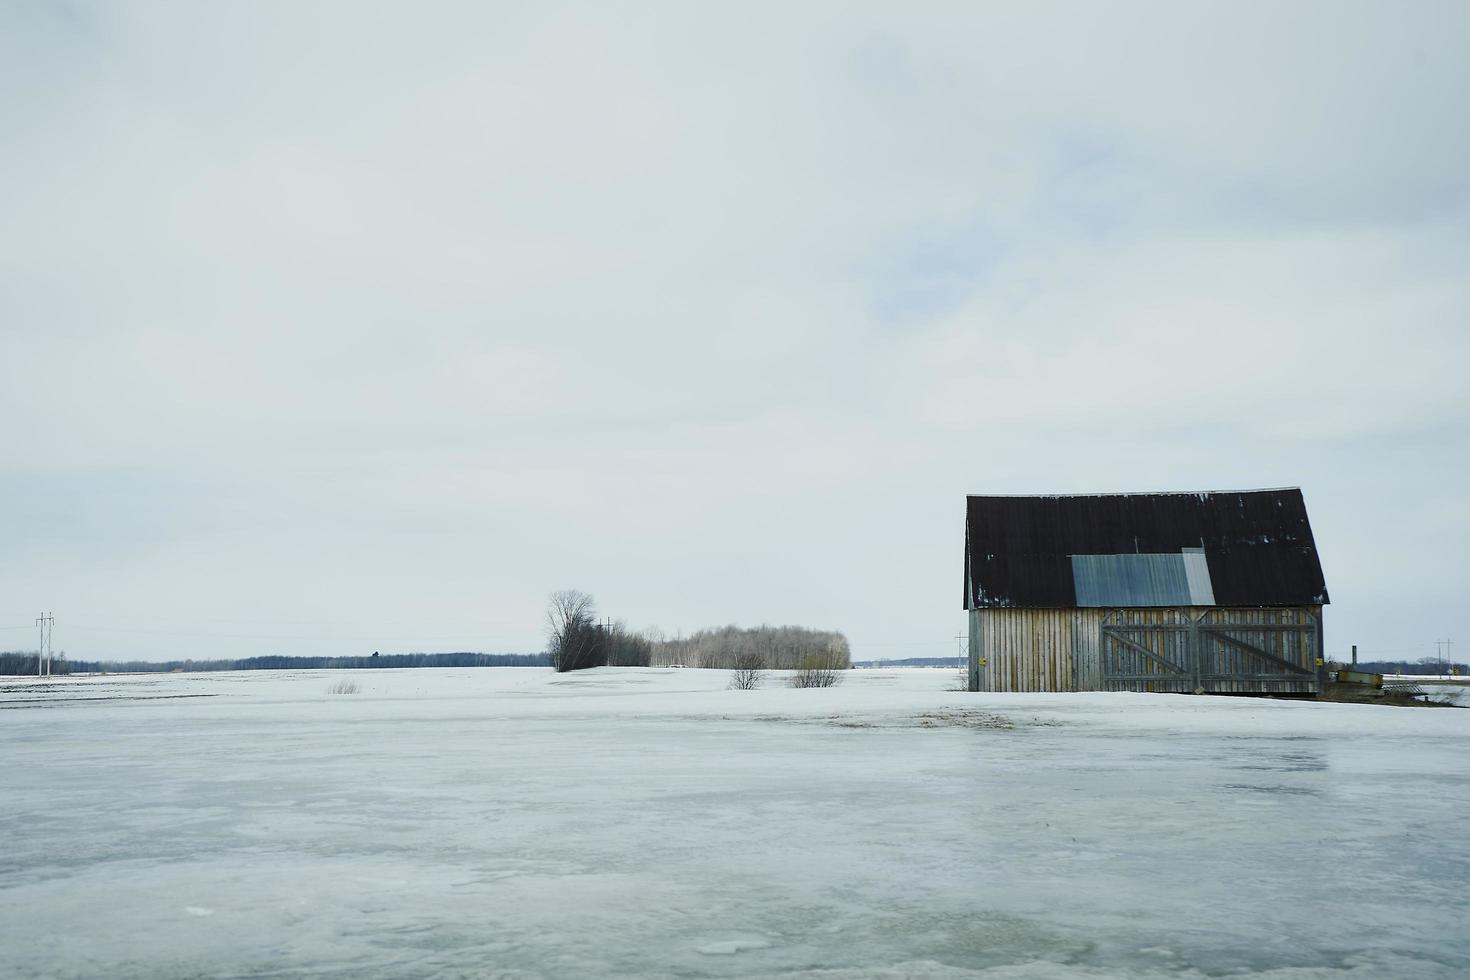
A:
[1038,649]
[1063,649]
[1228,668]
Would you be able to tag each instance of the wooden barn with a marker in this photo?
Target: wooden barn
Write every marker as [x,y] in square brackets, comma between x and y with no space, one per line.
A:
[1205,592]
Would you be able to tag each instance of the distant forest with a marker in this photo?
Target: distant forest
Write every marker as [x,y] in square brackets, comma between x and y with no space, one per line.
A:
[18,662]
[1428,666]
[914,662]
[24,662]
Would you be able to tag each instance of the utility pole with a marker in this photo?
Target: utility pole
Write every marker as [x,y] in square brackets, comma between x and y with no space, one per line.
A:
[959,643]
[43,652]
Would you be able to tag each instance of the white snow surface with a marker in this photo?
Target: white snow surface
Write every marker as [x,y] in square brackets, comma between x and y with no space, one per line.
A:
[514,823]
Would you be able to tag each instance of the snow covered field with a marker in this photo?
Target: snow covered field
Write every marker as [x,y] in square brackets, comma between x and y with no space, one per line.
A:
[622,822]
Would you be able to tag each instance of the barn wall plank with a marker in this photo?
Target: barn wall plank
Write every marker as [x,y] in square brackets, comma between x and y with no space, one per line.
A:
[1039,649]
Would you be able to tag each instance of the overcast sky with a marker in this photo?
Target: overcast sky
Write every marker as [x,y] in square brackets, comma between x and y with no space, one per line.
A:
[332,328]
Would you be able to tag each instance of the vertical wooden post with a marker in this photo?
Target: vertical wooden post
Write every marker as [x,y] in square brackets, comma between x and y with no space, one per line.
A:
[976,654]
[1194,652]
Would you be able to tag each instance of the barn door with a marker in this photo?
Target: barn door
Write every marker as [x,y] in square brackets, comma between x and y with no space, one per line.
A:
[1257,650]
[1209,650]
[1148,650]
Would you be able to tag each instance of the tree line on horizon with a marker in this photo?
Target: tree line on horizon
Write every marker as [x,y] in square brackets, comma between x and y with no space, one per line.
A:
[576,640]
[22,662]
[1424,667]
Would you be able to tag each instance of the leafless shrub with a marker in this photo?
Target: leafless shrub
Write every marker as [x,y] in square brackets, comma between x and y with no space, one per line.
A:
[749,669]
[820,670]
[344,687]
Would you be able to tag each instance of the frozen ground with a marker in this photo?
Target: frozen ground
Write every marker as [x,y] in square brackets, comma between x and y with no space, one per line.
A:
[512,823]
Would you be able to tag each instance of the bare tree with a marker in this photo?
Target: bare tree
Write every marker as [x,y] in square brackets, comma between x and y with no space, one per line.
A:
[750,668]
[573,639]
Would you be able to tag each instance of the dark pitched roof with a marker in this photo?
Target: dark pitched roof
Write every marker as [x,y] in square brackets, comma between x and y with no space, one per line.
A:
[1030,552]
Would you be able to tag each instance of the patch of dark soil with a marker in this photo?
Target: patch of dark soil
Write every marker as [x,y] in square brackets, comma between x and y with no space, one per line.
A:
[1400,696]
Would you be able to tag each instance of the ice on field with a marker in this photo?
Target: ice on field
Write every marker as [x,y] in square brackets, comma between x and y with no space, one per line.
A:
[652,823]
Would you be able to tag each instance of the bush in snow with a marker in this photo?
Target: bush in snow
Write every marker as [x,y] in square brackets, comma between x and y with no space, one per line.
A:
[746,675]
[820,670]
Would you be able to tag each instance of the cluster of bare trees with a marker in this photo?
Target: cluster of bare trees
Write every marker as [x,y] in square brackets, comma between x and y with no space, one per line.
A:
[625,648]
[575,640]
[774,647]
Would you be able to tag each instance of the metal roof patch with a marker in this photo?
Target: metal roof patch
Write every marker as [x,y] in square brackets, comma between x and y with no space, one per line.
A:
[1197,572]
[1178,579]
